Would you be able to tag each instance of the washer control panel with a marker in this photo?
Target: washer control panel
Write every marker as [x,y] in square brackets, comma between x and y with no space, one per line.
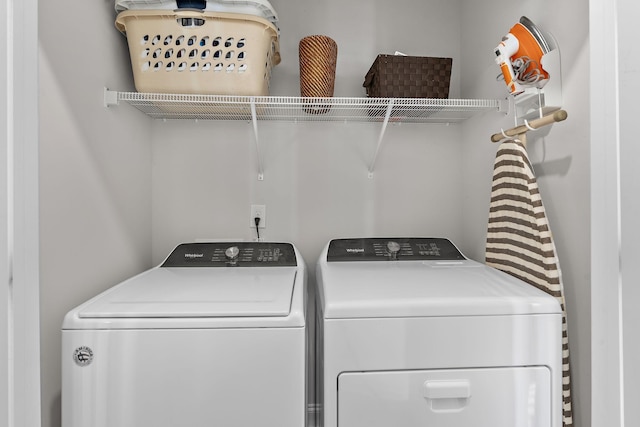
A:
[392,249]
[232,254]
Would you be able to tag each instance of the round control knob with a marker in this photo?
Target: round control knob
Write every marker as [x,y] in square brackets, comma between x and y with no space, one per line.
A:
[393,248]
[232,253]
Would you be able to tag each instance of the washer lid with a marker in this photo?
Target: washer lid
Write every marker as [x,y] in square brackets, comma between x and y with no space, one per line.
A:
[198,292]
[425,289]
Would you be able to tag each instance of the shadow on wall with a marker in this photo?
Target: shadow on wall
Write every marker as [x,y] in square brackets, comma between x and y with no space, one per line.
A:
[55,410]
[537,148]
[553,167]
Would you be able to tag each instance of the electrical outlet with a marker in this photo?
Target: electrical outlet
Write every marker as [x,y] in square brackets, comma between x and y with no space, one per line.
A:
[258,211]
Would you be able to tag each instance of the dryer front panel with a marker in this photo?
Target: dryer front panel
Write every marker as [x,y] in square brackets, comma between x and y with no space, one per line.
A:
[491,397]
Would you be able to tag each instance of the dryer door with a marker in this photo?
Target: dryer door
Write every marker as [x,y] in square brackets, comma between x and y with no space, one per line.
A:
[490,397]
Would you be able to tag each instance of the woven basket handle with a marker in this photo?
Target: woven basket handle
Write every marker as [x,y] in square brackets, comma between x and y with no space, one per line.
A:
[368,79]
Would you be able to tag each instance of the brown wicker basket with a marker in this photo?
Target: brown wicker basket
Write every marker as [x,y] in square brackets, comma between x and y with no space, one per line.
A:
[397,76]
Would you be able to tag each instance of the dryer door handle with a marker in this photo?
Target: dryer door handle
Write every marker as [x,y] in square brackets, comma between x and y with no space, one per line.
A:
[446,396]
[449,389]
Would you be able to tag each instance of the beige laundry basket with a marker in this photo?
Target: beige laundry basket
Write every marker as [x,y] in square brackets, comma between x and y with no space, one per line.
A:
[194,52]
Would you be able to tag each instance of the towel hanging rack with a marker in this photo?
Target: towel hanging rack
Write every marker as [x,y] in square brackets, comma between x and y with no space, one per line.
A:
[556,116]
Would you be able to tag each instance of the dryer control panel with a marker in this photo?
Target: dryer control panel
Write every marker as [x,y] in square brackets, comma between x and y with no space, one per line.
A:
[392,249]
[232,254]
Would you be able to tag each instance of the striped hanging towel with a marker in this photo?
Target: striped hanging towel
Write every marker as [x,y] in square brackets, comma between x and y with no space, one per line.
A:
[519,240]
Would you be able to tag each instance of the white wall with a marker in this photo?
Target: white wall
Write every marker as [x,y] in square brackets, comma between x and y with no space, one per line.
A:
[137,187]
[316,185]
[560,156]
[95,172]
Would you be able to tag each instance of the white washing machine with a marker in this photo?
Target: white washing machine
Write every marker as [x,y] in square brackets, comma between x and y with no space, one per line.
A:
[214,336]
[410,333]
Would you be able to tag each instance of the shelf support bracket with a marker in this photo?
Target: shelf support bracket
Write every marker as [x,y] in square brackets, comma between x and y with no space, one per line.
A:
[254,120]
[110,98]
[387,116]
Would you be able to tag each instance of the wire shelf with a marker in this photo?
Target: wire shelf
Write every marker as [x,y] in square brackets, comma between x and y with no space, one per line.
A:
[294,109]
[216,107]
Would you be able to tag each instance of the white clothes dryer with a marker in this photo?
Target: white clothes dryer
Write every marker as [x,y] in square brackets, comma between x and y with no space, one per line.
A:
[214,336]
[411,333]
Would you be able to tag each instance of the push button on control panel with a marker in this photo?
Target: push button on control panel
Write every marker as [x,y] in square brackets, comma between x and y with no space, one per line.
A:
[269,255]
